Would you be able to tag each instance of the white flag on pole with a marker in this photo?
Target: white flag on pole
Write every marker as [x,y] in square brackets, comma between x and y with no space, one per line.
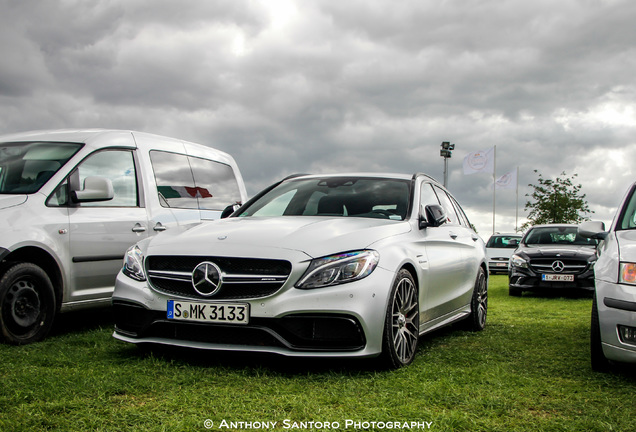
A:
[507,181]
[480,161]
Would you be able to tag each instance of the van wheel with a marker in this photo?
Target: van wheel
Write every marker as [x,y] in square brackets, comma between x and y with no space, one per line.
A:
[402,322]
[27,304]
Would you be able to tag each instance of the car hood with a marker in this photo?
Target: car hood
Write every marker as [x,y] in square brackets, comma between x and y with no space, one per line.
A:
[547,251]
[313,236]
[7,201]
[627,245]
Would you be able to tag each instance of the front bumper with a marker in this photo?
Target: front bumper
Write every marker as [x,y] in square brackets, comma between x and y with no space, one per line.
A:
[616,306]
[526,279]
[344,321]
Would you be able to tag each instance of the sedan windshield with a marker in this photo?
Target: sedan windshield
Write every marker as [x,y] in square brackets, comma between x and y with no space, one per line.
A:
[26,167]
[335,196]
[557,235]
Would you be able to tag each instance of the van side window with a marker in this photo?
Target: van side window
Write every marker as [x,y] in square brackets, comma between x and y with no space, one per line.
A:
[119,167]
[193,183]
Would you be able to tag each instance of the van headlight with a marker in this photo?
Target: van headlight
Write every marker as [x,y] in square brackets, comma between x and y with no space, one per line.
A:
[134,264]
[627,273]
[339,269]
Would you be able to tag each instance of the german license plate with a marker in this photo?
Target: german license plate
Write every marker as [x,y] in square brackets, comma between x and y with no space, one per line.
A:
[557,278]
[228,313]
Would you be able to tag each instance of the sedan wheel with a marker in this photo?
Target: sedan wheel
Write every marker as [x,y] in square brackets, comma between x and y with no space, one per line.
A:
[476,321]
[402,322]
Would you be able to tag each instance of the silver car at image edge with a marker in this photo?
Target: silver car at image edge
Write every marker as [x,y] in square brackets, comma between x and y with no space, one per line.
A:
[342,265]
[613,323]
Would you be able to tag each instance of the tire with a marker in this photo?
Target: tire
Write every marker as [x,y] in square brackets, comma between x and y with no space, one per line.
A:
[598,359]
[27,304]
[402,322]
[476,321]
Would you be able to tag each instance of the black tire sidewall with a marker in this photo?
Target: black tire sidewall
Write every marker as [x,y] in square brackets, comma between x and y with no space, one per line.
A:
[13,274]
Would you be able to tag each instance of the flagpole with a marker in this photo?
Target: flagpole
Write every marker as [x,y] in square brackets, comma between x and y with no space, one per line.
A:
[517,203]
[494,189]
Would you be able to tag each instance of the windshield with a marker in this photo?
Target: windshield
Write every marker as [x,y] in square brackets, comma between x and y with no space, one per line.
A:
[335,196]
[503,242]
[627,219]
[26,167]
[557,236]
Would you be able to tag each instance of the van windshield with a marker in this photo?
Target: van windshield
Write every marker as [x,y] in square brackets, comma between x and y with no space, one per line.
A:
[26,166]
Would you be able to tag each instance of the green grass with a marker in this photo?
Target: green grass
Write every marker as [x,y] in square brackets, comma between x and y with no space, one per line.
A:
[528,371]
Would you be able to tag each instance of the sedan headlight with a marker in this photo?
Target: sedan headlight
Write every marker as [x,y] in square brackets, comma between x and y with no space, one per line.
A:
[627,273]
[518,261]
[339,269]
[134,264]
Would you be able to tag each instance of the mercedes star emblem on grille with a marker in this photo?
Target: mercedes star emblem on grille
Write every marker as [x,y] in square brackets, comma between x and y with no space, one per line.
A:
[558,266]
[207,279]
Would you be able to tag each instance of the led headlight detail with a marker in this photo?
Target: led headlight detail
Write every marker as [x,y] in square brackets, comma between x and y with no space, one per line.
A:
[134,264]
[339,269]
[517,261]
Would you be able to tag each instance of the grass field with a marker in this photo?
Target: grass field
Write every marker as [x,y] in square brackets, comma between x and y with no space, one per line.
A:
[528,371]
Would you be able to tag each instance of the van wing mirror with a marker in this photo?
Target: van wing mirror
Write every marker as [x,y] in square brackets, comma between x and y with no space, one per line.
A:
[593,230]
[432,216]
[95,189]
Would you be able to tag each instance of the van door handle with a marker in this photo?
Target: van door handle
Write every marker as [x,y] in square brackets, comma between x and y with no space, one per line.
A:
[474,237]
[159,227]
[452,235]
[139,228]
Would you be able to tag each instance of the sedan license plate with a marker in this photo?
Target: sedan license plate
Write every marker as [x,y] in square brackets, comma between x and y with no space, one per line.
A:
[557,278]
[227,313]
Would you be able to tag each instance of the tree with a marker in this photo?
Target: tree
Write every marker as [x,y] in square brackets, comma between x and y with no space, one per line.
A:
[556,201]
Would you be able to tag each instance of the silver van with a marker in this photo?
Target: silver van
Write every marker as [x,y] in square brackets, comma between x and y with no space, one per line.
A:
[73,201]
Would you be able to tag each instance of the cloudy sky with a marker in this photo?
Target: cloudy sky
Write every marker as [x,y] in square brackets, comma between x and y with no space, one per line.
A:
[357,85]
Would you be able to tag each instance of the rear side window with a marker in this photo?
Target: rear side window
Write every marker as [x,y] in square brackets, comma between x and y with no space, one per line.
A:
[193,183]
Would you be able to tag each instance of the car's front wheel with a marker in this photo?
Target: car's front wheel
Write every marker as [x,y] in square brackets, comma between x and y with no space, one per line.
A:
[598,359]
[402,322]
[476,321]
[27,304]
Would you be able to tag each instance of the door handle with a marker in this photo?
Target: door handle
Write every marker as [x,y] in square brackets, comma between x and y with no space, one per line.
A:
[474,237]
[452,235]
[159,227]
[139,228]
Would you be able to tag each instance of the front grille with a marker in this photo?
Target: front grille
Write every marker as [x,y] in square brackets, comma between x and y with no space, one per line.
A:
[570,265]
[242,277]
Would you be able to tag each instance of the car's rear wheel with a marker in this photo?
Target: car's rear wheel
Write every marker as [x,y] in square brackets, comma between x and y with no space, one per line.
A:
[27,304]
[476,321]
[598,359]
[402,322]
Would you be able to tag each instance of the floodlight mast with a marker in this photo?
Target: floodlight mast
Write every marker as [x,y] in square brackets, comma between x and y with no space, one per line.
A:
[446,152]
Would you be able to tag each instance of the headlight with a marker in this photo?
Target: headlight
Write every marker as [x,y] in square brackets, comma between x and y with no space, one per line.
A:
[134,264]
[339,269]
[627,273]
[517,261]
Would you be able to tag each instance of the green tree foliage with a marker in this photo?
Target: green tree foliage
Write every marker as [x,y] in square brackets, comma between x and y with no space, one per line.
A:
[556,201]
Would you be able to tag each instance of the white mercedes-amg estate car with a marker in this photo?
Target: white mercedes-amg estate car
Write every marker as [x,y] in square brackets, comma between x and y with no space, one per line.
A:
[347,265]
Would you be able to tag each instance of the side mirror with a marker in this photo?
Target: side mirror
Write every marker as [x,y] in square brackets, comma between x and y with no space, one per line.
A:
[227,211]
[95,189]
[593,230]
[433,216]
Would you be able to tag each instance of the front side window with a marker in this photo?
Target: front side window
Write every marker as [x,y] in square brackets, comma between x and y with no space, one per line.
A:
[193,183]
[335,196]
[448,206]
[26,167]
[119,167]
